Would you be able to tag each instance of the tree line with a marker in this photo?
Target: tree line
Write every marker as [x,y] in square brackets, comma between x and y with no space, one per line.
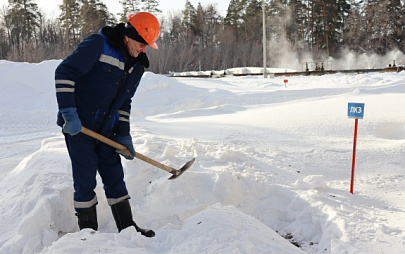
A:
[199,38]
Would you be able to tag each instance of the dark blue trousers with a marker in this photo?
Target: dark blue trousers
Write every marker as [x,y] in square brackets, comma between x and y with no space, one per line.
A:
[89,156]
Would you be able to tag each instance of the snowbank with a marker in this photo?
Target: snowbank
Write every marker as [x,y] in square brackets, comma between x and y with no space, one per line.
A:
[272,167]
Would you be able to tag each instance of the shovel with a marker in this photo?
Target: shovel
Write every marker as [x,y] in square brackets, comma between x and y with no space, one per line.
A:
[124,151]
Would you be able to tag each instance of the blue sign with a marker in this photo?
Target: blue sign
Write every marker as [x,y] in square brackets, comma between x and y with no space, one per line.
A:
[355,110]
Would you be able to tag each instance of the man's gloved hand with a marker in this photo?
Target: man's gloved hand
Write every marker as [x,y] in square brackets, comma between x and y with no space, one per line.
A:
[127,142]
[72,124]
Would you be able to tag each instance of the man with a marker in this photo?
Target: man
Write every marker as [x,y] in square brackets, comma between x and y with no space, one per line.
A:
[94,87]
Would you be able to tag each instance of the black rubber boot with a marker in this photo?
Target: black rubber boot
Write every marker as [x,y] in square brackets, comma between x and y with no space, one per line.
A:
[123,218]
[88,218]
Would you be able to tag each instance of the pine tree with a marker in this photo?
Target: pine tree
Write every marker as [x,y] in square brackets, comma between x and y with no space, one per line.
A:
[206,24]
[375,25]
[135,6]
[253,22]
[23,21]
[70,17]
[394,23]
[213,23]
[354,36]
[276,20]
[129,6]
[328,22]
[295,30]
[151,6]
[401,25]
[233,18]
[189,16]
[3,40]
[94,16]
[199,22]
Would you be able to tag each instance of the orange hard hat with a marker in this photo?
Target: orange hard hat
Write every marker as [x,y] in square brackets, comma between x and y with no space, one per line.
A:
[147,25]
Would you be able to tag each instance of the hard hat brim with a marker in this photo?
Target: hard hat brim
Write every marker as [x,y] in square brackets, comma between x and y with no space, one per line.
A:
[154,45]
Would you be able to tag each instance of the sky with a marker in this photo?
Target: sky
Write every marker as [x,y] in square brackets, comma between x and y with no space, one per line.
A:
[51,6]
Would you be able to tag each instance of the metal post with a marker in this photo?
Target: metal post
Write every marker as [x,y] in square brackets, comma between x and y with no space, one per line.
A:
[354,154]
[264,41]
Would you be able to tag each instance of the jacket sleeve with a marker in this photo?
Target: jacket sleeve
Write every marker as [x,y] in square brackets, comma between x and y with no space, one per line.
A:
[122,128]
[81,61]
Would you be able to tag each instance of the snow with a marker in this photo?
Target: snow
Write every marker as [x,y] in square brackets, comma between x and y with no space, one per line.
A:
[272,162]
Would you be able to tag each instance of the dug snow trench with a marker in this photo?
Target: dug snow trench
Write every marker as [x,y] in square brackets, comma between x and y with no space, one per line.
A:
[229,198]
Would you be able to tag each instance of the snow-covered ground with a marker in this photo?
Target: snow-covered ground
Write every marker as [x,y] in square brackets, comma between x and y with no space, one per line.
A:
[272,162]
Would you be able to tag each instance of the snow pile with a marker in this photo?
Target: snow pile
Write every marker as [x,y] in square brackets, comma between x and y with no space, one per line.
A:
[272,168]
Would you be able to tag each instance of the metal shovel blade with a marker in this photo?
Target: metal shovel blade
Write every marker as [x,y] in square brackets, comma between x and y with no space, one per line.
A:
[177,173]
[124,151]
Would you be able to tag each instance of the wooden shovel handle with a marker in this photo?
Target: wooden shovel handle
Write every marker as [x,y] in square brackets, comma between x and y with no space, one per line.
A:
[155,163]
[103,139]
[125,150]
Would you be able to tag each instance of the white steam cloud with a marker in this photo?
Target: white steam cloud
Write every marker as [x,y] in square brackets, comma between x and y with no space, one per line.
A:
[282,55]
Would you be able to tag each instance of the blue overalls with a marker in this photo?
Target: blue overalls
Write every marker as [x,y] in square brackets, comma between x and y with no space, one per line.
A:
[95,80]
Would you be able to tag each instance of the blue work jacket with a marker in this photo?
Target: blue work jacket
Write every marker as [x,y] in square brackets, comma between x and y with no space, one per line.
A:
[95,80]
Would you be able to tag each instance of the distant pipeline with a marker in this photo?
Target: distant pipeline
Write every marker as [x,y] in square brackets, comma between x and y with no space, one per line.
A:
[316,72]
